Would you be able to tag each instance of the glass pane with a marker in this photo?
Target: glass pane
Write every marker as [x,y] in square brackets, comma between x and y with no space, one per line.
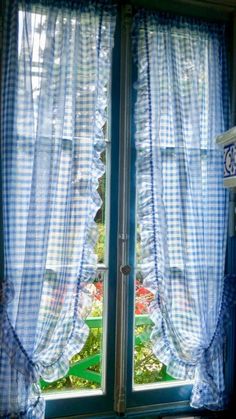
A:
[147,368]
[86,367]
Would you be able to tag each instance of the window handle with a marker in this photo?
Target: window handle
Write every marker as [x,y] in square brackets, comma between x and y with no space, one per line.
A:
[125,269]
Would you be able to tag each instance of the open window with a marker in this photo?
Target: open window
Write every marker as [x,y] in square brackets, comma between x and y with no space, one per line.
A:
[116,372]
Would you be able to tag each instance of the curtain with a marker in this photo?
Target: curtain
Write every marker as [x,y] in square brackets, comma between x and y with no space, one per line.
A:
[56,72]
[182,105]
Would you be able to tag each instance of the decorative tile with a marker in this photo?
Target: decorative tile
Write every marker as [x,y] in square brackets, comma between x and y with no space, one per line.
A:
[230,160]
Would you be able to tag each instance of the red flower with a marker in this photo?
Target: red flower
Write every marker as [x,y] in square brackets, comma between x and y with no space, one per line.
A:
[99,289]
[143,298]
[143,291]
[140,308]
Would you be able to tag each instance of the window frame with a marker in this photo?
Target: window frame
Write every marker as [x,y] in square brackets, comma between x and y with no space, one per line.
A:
[174,398]
[100,401]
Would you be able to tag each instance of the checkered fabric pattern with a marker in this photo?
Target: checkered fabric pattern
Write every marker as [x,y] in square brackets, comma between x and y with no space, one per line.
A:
[182,105]
[56,75]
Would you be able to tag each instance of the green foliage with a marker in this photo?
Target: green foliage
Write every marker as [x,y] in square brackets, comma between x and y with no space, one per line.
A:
[147,368]
[100,246]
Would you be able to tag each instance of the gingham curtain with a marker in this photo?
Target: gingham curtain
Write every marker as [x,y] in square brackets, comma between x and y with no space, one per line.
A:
[182,105]
[56,71]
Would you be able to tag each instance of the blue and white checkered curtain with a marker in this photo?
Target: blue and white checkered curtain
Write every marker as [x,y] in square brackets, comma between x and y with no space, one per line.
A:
[56,72]
[182,105]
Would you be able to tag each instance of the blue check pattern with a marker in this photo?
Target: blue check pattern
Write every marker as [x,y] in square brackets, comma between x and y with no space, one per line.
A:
[56,71]
[182,105]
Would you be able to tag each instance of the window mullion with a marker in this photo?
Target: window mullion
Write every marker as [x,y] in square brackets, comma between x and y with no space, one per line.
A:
[123,217]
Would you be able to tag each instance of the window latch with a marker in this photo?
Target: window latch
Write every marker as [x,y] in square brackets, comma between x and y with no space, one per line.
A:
[125,269]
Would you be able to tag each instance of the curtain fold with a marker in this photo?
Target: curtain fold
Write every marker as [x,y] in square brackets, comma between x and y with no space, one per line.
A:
[182,105]
[56,72]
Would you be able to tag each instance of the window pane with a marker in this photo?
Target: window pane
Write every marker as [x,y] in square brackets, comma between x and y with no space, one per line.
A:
[86,367]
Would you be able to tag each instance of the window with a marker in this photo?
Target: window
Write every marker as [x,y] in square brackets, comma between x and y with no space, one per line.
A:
[116,370]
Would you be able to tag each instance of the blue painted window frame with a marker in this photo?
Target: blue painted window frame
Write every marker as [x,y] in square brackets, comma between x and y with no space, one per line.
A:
[80,405]
[165,397]
[175,399]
